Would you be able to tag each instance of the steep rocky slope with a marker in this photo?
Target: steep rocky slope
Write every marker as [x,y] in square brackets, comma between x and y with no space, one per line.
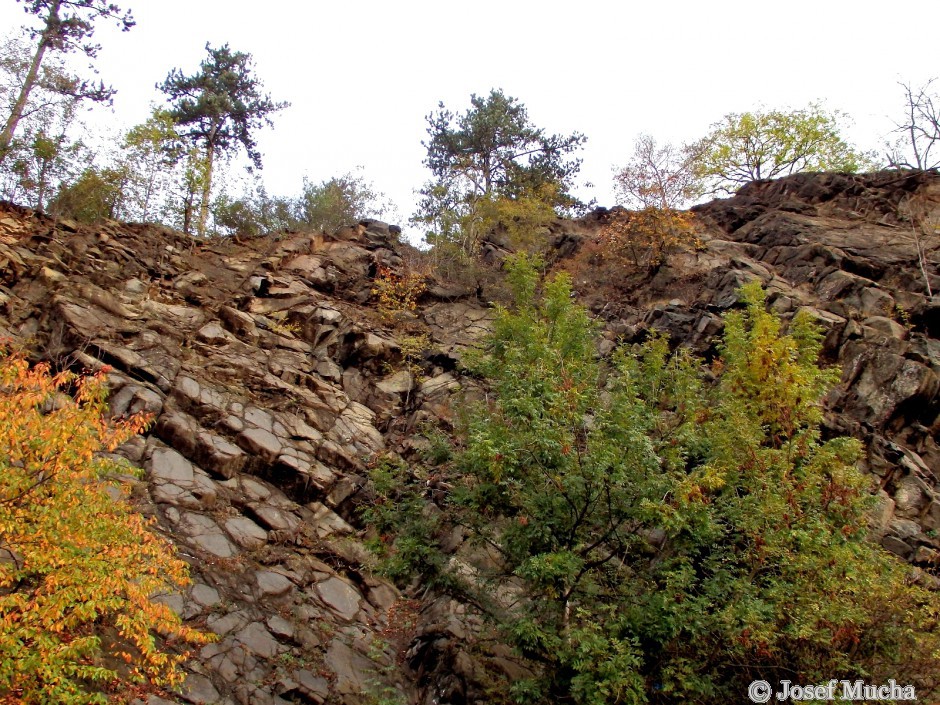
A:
[275,382]
[841,247]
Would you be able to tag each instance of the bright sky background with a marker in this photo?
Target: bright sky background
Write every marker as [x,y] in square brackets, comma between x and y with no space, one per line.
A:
[362,76]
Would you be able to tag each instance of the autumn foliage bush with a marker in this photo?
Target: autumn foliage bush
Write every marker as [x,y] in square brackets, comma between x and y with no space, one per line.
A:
[397,294]
[645,238]
[78,566]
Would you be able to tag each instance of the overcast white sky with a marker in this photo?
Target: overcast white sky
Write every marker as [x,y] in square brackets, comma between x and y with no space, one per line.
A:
[362,76]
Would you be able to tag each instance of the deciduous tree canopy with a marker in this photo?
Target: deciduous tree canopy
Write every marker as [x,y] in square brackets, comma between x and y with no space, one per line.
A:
[919,144]
[765,144]
[74,562]
[66,26]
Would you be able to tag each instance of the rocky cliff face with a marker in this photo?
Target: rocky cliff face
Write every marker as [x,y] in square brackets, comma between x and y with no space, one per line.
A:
[275,382]
[841,247]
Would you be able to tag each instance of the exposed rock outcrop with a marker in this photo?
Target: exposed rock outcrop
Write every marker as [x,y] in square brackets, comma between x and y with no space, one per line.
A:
[274,383]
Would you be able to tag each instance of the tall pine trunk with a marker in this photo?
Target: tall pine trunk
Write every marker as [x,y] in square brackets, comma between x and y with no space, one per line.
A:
[206,186]
[6,136]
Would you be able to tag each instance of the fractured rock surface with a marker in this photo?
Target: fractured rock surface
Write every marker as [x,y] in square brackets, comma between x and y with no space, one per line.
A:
[274,383]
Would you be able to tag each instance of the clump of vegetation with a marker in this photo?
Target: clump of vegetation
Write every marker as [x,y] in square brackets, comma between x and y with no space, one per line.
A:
[78,568]
[397,294]
[493,167]
[768,144]
[401,525]
[644,239]
[642,536]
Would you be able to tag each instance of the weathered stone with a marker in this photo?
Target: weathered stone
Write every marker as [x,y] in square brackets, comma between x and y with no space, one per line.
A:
[328,369]
[280,627]
[260,418]
[897,546]
[923,554]
[205,534]
[204,595]
[352,669]
[224,624]
[340,596]
[166,465]
[885,326]
[931,517]
[258,640]
[273,518]
[182,318]
[173,600]
[382,595]
[297,428]
[213,334]
[260,442]
[355,430]
[245,532]
[137,298]
[327,522]
[239,323]
[133,399]
[254,489]
[335,456]
[187,387]
[218,455]
[317,688]
[230,659]
[910,496]
[198,690]
[271,583]
[882,514]
[400,382]
[903,528]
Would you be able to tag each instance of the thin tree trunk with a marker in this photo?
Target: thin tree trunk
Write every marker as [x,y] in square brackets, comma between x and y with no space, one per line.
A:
[148,192]
[188,214]
[206,189]
[6,136]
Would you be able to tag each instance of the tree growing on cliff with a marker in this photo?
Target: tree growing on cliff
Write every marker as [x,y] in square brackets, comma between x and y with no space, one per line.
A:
[919,143]
[66,26]
[657,176]
[492,151]
[78,568]
[341,200]
[642,536]
[766,144]
[657,182]
[218,109]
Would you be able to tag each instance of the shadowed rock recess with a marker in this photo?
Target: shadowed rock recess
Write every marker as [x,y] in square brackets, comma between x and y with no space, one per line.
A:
[274,382]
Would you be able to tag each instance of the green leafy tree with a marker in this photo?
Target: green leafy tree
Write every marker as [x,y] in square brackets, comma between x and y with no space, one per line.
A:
[492,151]
[152,151]
[43,158]
[65,26]
[766,144]
[339,201]
[328,206]
[78,567]
[219,109]
[96,194]
[45,152]
[642,536]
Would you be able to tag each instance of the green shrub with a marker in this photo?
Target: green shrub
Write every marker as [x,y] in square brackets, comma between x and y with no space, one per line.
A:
[653,538]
